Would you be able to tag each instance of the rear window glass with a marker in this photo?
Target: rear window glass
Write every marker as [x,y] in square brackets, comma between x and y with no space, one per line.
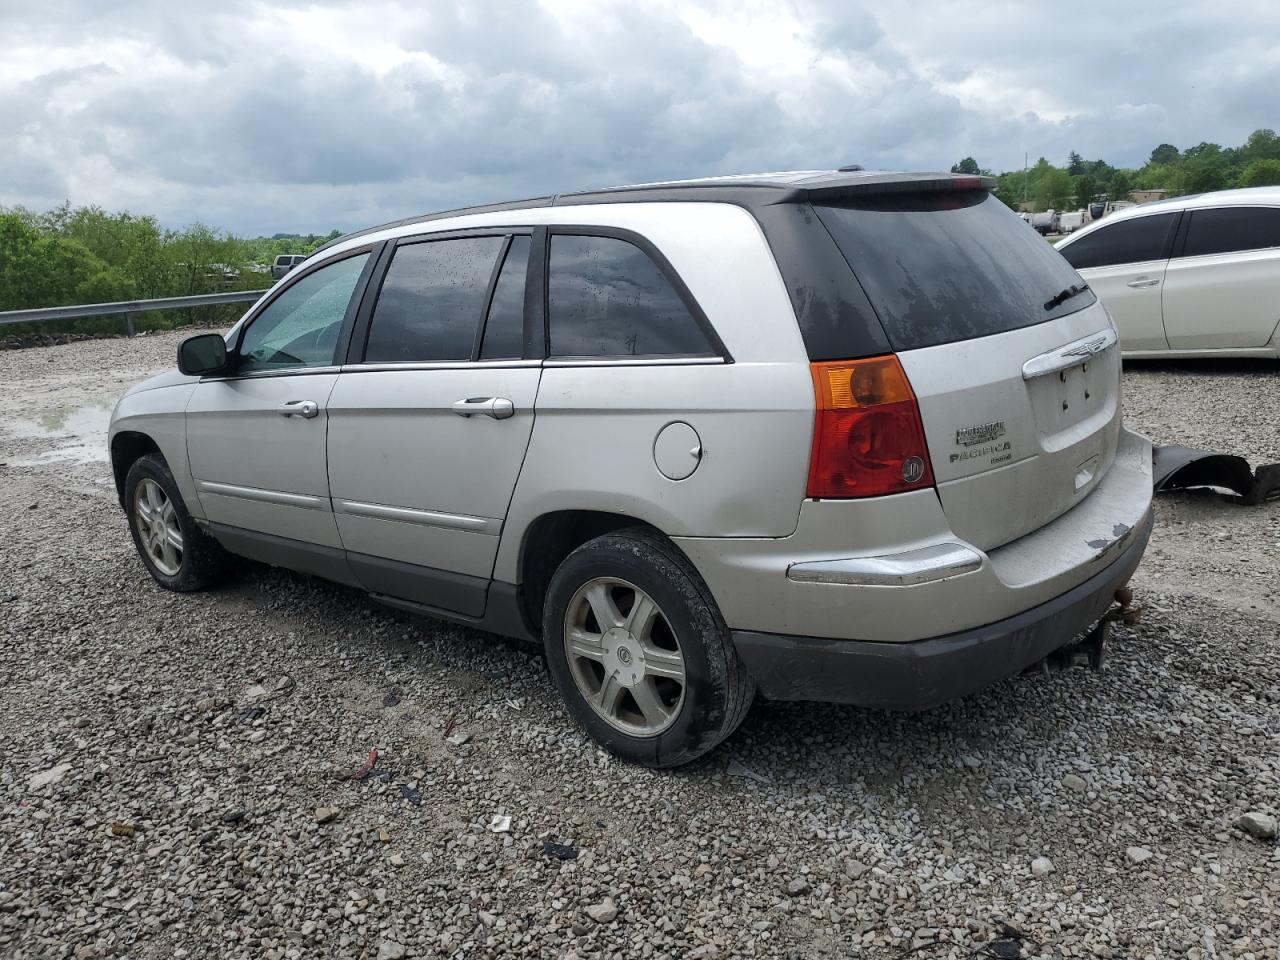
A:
[945,266]
[1124,241]
[1232,229]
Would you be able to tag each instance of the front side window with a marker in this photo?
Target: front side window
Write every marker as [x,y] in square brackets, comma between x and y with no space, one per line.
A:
[1232,229]
[432,300]
[607,298]
[1125,241]
[300,327]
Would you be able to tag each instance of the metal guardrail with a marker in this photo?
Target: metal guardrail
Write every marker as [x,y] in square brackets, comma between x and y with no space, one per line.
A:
[126,307]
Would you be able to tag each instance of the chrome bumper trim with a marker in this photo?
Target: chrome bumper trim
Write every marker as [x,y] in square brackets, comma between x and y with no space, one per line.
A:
[940,561]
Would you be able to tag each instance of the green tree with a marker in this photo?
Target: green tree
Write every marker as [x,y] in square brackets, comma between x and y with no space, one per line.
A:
[1075,164]
[1262,145]
[1164,155]
[38,270]
[1085,188]
[1260,173]
[967,165]
[1120,185]
[1053,189]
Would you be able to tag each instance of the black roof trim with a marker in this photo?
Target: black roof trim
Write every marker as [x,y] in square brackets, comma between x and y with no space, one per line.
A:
[530,204]
[750,192]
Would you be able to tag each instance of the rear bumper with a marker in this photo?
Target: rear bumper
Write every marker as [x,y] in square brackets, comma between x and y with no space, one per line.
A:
[924,673]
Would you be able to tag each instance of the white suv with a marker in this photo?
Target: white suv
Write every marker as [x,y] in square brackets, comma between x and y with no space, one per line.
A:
[1195,276]
[824,435]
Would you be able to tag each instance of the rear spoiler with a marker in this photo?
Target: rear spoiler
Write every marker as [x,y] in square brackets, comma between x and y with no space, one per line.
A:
[835,188]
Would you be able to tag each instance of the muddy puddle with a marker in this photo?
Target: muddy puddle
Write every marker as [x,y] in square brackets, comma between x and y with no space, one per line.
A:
[75,434]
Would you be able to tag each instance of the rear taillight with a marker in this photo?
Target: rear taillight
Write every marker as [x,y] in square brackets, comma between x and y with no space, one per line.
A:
[868,439]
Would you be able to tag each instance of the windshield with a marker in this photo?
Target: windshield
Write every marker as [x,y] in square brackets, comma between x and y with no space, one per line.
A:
[945,266]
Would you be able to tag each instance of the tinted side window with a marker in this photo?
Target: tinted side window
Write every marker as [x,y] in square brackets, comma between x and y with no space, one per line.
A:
[1229,229]
[431,301]
[299,328]
[504,328]
[606,298]
[1125,241]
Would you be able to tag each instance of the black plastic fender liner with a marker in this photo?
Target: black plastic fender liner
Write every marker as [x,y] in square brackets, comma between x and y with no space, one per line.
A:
[1179,468]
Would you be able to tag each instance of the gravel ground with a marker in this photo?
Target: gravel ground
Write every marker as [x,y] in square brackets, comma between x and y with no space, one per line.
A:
[176,777]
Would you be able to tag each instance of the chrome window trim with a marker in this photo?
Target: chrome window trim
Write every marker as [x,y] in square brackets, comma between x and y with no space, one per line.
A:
[441,365]
[660,361]
[264,374]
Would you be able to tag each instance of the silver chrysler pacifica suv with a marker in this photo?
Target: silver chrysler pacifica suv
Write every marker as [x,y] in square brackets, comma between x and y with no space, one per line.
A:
[827,435]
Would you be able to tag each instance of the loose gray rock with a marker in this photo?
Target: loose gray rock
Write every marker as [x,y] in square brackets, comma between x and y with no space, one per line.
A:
[1075,782]
[49,777]
[326,814]
[1260,825]
[604,912]
[1136,855]
[797,887]
[1041,867]
[736,769]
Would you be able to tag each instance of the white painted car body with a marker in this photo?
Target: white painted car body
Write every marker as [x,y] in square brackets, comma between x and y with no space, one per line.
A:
[1176,303]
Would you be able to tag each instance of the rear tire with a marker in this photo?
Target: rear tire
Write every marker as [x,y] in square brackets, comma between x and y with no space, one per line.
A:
[176,552]
[639,650]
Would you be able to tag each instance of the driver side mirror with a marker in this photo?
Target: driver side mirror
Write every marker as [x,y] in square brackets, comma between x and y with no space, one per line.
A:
[203,355]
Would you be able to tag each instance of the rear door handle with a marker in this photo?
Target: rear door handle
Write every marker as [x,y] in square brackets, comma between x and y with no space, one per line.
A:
[1143,282]
[299,408]
[500,408]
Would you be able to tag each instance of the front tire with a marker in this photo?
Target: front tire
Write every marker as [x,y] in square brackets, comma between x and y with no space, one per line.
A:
[176,552]
[639,651]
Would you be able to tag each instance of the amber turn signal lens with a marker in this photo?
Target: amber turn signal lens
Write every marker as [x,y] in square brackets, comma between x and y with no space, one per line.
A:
[868,438]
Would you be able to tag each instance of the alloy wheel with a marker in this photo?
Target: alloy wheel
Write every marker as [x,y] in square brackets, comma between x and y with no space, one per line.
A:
[158,527]
[624,657]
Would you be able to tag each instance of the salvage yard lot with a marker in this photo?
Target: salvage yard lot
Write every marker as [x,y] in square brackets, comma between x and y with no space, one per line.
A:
[188,742]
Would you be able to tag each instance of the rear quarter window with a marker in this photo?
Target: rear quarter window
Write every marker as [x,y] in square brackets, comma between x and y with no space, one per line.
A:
[1137,240]
[1232,230]
[945,266]
[607,298]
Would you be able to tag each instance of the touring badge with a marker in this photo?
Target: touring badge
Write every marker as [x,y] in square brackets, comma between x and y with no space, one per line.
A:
[980,433]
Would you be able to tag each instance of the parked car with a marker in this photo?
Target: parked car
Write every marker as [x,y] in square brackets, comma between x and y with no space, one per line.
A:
[1046,222]
[1194,276]
[833,436]
[1071,221]
[284,263]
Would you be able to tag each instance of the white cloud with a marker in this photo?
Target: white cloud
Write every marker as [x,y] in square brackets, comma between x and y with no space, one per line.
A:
[293,115]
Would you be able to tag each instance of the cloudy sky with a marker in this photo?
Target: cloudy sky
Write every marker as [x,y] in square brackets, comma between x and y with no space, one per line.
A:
[261,117]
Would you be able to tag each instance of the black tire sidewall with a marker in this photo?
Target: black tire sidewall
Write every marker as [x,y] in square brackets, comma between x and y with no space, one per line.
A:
[699,630]
[154,468]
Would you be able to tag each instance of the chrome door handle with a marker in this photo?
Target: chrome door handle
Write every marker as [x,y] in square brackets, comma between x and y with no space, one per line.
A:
[500,408]
[1143,282]
[299,408]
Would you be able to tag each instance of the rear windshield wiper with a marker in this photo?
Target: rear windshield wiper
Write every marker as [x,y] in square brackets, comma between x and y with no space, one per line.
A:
[1062,296]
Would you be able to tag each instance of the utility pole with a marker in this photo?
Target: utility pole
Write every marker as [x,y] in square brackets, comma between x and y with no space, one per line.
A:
[1024,177]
